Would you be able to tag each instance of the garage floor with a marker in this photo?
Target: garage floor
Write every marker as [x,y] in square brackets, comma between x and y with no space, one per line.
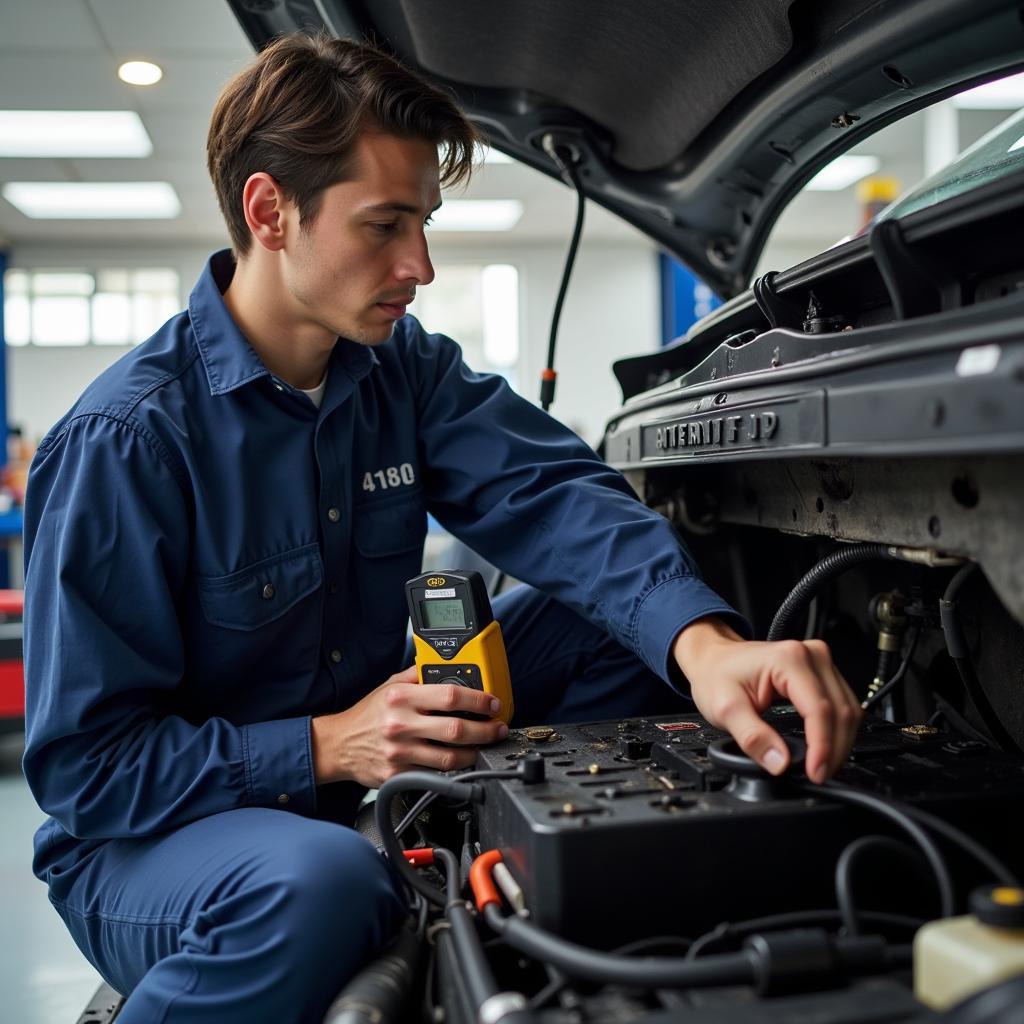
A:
[43,977]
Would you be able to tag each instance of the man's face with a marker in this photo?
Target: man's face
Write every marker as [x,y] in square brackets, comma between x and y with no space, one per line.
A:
[357,265]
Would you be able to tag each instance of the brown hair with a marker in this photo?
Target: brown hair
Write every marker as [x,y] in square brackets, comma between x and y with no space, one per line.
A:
[297,111]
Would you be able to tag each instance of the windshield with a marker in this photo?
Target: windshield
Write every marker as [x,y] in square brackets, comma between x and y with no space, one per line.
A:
[996,155]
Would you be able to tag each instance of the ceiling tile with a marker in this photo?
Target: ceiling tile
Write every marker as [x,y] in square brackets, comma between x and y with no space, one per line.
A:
[66,82]
[184,26]
[47,25]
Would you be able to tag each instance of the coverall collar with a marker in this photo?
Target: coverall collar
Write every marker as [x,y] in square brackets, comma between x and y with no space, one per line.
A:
[228,358]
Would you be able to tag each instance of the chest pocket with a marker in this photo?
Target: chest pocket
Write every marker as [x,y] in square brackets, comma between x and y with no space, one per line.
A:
[388,537]
[263,591]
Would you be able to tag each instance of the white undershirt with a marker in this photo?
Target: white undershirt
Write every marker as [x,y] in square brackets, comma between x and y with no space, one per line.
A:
[316,396]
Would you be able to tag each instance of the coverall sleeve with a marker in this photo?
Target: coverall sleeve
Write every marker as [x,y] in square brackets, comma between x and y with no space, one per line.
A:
[526,493]
[107,537]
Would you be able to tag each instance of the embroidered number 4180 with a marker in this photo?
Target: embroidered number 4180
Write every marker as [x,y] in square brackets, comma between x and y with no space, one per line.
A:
[393,476]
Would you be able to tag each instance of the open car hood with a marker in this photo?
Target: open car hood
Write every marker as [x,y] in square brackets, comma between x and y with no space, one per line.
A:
[695,120]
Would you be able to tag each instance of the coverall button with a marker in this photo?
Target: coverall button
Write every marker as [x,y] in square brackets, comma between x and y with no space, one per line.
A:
[333,514]
[268,591]
[283,798]
[335,656]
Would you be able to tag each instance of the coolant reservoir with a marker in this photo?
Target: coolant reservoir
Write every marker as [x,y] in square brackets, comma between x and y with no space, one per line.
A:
[958,956]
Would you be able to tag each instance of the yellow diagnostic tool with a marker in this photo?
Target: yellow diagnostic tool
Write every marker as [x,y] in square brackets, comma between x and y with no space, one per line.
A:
[455,635]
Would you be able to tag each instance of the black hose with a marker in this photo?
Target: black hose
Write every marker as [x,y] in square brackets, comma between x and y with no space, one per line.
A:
[844,874]
[377,994]
[469,951]
[812,581]
[458,787]
[901,816]
[488,1000]
[768,962]
[454,788]
[794,919]
[593,965]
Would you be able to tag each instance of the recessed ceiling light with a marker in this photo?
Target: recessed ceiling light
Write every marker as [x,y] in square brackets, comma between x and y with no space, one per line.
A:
[477,215]
[73,133]
[842,172]
[93,200]
[140,72]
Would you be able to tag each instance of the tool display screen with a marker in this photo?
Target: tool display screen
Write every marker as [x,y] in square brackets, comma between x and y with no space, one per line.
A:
[443,614]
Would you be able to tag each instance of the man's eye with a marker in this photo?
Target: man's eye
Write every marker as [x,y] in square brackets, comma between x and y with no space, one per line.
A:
[385,228]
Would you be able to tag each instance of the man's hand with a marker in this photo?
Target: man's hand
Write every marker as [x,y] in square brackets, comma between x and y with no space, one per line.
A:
[390,730]
[733,681]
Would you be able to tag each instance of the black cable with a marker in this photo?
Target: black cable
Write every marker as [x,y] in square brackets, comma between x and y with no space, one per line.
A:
[557,981]
[459,787]
[956,645]
[428,798]
[417,780]
[469,950]
[813,580]
[844,874]
[897,677]
[958,579]
[653,941]
[999,871]
[765,961]
[414,812]
[903,818]
[593,965]
[452,876]
[795,919]
[957,720]
[566,161]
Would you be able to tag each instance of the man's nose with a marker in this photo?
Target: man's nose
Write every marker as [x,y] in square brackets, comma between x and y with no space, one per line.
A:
[415,263]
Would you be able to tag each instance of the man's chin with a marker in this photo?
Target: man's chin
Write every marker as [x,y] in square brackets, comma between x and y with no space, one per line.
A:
[371,336]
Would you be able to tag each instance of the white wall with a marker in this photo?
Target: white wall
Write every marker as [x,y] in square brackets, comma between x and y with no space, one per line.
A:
[611,310]
[43,383]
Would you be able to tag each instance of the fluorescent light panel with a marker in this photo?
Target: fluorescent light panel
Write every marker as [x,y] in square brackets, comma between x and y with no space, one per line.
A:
[477,215]
[842,173]
[1004,94]
[73,133]
[107,200]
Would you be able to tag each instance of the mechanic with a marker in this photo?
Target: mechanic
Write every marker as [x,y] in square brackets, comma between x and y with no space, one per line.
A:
[217,537]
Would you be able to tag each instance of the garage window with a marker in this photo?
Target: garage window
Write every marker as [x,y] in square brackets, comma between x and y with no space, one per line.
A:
[477,304]
[109,306]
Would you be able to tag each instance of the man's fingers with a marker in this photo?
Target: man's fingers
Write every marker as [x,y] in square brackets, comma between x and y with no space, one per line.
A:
[462,732]
[809,694]
[848,711]
[447,697]
[442,759]
[757,739]
[407,675]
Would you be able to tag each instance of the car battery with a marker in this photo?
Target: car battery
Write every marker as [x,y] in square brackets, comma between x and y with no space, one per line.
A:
[636,832]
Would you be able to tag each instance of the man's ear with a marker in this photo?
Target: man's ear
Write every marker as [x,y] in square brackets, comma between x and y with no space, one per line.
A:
[267,211]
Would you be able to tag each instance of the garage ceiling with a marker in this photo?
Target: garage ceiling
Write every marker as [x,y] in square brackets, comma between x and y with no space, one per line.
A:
[64,54]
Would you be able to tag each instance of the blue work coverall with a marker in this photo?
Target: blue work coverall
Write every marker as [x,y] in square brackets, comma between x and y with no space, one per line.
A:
[210,560]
